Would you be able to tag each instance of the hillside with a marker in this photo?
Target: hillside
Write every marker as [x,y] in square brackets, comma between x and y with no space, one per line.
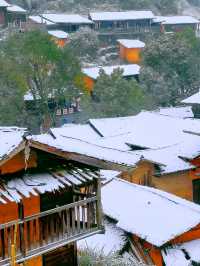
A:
[164,7]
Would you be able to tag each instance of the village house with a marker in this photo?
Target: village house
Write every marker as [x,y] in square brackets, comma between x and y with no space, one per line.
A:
[163,223]
[194,101]
[176,23]
[68,22]
[39,22]
[3,12]
[170,149]
[61,38]
[91,74]
[130,50]
[16,16]
[48,201]
[113,22]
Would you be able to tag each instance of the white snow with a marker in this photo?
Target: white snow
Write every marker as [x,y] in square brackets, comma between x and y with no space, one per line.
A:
[179,111]
[10,139]
[126,15]
[146,212]
[131,43]
[82,132]
[175,256]
[108,175]
[86,148]
[176,20]
[128,70]
[40,20]
[15,8]
[67,18]
[59,34]
[193,99]
[112,241]
[3,3]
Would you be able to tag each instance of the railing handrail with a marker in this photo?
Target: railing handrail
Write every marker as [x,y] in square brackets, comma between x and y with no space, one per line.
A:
[48,212]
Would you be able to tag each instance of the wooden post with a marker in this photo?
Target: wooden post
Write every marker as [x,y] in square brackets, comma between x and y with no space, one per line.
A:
[99,205]
[21,229]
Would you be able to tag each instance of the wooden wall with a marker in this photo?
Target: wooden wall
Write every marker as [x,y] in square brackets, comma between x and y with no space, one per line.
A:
[131,55]
[88,83]
[17,163]
[179,184]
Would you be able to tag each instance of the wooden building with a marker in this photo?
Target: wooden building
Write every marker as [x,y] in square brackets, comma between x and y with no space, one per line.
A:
[130,50]
[68,23]
[124,21]
[91,74]
[47,202]
[194,101]
[16,16]
[176,23]
[158,223]
[39,22]
[61,38]
[3,12]
[170,141]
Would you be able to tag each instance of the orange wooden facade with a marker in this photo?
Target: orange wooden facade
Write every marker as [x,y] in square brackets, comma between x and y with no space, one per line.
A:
[60,42]
[179,183]
[18,163]
[131,55]
[88,83]
[155,252]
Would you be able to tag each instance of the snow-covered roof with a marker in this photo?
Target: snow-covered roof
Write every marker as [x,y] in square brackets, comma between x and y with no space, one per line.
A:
[113,240]
[40,20]
[15,8]
[193,99]
[87,149]
[179,111]
[3,3]
[35,184]
[146,211]
[131,43]
[107,175]
[128,70]
[67,18]
[10,139]
[60,34]
[172,20]
[122,15]
[82,132]
[183,254]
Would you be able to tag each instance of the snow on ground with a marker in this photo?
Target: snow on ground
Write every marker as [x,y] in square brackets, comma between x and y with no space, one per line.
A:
[112,241]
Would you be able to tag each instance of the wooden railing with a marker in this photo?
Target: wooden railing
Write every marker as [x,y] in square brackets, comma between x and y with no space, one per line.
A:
[46,231]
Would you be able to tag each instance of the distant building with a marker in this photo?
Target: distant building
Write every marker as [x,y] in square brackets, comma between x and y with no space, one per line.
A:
[92,73]
[68,23]
[176,23]
[60,37]
[135,21]
[130,50]
[38,22]
[3,11]
[16,15]
[194,100]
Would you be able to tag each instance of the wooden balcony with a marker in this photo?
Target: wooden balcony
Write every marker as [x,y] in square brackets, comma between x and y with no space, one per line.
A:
[35,235]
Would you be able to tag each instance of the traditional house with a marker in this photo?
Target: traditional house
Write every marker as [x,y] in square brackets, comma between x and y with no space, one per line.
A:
[176,23]
[158,223]
[3,12]
[130,50]
[60,37]
[47,202]
[194,100]
[16,16]
[39,22]
[112,22]
[173,142]
[68,23]
[91,74]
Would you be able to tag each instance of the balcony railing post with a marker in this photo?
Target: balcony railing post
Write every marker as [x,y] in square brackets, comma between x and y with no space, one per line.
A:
[21,229]
[99,205]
